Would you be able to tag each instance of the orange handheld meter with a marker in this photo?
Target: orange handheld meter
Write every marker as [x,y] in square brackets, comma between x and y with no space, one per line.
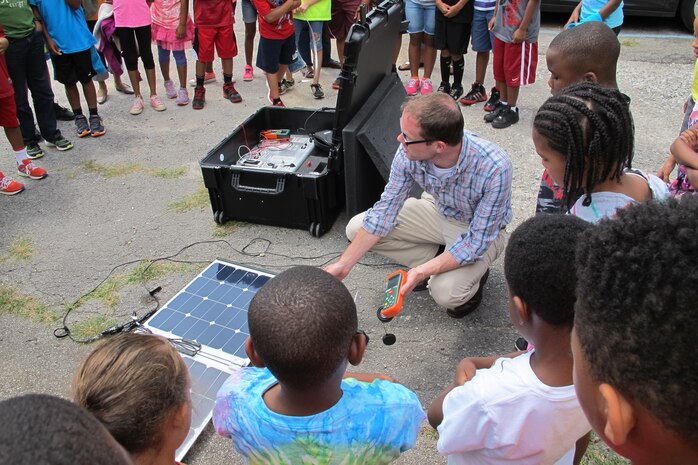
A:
[279,135]
[392,305]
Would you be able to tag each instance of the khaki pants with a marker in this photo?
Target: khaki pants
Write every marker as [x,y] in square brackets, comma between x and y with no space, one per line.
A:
[416,240]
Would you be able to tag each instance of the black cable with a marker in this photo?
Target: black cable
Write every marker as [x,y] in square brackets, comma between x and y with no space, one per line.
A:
[135,321]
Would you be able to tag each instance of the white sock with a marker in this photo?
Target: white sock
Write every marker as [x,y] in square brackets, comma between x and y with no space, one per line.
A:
[514,109]
[503,102]
[21,155]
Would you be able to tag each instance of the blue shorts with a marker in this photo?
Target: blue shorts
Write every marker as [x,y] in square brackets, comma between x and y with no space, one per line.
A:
[422,18]
[273,52]
[315,32]
[249,12]
[482,39]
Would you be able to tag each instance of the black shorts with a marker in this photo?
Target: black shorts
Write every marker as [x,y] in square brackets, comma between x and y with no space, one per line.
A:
[70,68]
[274,52]
[452,36]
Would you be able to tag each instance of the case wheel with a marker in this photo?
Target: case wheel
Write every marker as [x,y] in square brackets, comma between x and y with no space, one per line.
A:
[316,230]
[219,217]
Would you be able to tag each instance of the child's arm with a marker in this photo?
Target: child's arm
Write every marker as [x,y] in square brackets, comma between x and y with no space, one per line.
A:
[277,13]
[490,25]
[183,15]
[609,8]
[684,148]
[464,372]
[50,44]
[368,377]
[520,34]
[305,5]
[4,43]
[443,8]
[664,172]
[574,17]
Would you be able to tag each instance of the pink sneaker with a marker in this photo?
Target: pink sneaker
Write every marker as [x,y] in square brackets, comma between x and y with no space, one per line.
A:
[28,170]
[427,87]
[170,89]
[412,86]
[9,187]
[248,74]
[137,107]
[182,97]
[157,104]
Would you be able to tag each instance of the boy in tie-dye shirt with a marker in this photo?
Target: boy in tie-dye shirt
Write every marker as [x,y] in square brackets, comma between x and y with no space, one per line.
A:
[297,404]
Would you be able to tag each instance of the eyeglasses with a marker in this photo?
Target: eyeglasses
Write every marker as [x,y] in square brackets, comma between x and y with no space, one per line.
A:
[361,331]
[407,142]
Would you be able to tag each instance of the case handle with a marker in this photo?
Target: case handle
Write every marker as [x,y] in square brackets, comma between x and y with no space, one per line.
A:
[279,188]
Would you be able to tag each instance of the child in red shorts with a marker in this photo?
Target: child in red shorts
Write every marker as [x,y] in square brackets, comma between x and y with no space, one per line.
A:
[9,121]
[214,24]
[277,42]
[515,25]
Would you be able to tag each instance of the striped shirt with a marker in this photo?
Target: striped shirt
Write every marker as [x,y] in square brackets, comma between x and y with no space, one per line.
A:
[485,5]
[477,193]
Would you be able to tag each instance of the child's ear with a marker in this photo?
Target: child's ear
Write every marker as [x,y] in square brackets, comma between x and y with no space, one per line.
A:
[521,310]
[591,76]
[255,359]
[181,416]
[357,348]
[620,415]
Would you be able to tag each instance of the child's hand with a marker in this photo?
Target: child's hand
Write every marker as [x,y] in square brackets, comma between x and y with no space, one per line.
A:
[453,11]
[519,36]
[690,137]
[445,9]
[664,172]
[465,371]
[181,31]
[295,4]
[4,43]
[301,9]
[490,26]
[52,47]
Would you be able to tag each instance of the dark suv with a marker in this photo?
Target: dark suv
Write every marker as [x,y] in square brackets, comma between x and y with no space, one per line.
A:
[684,9]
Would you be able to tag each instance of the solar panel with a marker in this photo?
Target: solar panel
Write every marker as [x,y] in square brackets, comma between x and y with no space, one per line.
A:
[212,311]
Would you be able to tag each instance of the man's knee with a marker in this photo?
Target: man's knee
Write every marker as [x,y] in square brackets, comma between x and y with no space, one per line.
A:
[446,294]
[354,225]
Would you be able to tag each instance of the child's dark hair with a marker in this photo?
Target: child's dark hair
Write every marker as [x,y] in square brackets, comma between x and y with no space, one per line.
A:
[41,429]
[636,317]
[302,323]
[591,46]
[131,383]
[539,265]
[591,126]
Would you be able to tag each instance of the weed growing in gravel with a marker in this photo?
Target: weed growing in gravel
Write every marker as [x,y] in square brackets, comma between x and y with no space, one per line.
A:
[16,304]
[144,271]
[224,230]
[90,326]
[629,43]
[197,200]
[21,249]
[115,171]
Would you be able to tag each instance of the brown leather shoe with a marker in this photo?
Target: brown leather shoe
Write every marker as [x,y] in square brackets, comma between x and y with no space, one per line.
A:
[471,305]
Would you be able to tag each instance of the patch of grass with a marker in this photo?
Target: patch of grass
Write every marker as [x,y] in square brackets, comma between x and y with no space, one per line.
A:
[598,453]
[430,433]
[144,271]
[110,171]
[91,326]
[167,173]
[108,292]
[223,230]
[197,200]
[16,304]
[115,171]
[629,43]
[21,249]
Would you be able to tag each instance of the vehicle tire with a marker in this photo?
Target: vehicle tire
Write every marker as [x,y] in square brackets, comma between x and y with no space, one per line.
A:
[687,13]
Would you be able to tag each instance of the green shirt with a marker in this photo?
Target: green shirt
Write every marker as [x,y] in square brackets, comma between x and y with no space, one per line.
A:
[320,11]
[694,89]
[17,18]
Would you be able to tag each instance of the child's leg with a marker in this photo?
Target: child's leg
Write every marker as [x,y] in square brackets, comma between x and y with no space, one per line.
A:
[143,36]
[200,70]
[273,81]
[71,91]
[458,68]
[127,40]
[164,60]
[414,53]
[181,62]
[429,56]
[316,48]
[227,68]
[445,65]
[250,31]
[88,89]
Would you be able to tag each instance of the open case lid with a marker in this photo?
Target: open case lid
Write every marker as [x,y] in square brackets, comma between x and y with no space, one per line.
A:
[368,58]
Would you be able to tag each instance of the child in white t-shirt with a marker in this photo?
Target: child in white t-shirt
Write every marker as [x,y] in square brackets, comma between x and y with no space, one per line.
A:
[521,408]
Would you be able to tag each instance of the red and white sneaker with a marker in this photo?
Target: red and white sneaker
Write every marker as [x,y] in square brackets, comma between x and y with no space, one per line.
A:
[248,73]
[412,86]
[28,170]
[10,187]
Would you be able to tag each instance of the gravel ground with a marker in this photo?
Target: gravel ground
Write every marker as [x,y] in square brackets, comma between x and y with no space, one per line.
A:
[110,201]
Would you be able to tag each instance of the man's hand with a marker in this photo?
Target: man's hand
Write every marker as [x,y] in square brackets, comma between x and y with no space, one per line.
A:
[414,277]
[664,172]
[338,270]
[519,36]
[52,47]
[4,43]
[465,371]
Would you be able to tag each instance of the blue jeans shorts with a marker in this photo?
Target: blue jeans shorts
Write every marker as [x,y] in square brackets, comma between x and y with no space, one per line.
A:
[249,12]
[422,18]
[482,40]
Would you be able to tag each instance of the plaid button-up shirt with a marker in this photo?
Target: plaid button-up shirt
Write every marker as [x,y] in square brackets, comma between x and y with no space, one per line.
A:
[477,193]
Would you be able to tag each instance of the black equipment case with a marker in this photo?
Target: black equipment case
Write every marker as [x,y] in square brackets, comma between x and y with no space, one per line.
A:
[311,196]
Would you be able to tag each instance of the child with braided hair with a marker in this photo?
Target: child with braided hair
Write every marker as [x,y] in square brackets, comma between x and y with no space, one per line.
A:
[585,138]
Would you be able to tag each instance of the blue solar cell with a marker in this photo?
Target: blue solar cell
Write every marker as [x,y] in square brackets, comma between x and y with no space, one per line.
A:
[199,307]
[259,282]
[218,271]
[235,276]
[196,370]
[235,344]
[227,316]
[222,338]
[219,293]
[216,378]
[161,317]
[238,320]
[208,287]
[174,320]
[215,310]
[246,280]
[196,330]
[180,301]
[209,334]
[184,326]
[243,300]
